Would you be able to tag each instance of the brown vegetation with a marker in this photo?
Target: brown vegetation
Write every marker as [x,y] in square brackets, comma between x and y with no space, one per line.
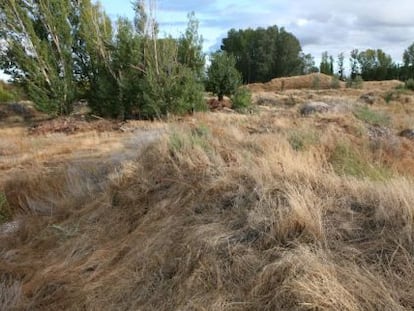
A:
[310,81]
[269,211]
[317,81]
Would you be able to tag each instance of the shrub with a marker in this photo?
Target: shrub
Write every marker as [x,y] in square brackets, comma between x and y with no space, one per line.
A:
[242,99]
[6,95]
[163,95]
[222,75]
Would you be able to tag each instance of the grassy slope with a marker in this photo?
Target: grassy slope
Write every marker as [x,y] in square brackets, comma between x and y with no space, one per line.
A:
[270,211]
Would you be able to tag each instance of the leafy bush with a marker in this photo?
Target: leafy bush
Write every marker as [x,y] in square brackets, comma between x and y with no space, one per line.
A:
[242,99]
[409,84]
[163,95]
[222,75]
[372,117]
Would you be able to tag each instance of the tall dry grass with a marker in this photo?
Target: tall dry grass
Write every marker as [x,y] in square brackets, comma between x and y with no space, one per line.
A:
[223,213]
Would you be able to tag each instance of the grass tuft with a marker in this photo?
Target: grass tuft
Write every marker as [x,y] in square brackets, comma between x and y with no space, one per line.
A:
[347,161]
[372,117]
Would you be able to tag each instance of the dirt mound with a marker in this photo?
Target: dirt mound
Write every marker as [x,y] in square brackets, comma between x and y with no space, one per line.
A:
[311,81]
[71,125]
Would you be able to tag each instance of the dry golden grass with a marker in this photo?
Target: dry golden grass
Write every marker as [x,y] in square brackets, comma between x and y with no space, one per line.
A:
[310,81]
[317,81]
[269,211]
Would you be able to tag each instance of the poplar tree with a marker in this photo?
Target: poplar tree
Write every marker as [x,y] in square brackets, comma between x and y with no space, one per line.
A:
[341,66]
[39,48]
[190,47]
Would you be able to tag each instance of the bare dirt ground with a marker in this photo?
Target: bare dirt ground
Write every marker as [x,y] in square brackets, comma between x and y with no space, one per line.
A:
[304,204]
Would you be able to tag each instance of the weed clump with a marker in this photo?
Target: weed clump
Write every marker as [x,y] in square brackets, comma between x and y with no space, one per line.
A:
[5,213]
[301,140]
[372,117]
[347,161]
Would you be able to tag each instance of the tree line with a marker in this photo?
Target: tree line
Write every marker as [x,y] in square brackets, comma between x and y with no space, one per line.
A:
[62,51]
[263,54]
[370,65]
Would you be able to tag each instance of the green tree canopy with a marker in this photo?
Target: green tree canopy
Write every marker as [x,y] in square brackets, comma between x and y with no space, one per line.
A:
[408,60]
[190,47]
[263,54]
[375,65]
[326,65]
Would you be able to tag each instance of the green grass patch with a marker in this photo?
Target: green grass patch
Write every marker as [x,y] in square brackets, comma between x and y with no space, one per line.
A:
[372,117]
[396,93]
[6,95]
[5,212]
[347,161]
[301,140]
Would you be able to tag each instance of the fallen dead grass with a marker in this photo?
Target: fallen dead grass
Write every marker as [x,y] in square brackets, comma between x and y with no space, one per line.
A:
[225,212]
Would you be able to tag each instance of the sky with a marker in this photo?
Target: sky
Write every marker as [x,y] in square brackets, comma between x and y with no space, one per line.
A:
[320,25]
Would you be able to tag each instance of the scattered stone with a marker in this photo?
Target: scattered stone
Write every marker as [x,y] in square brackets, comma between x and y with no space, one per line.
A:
[314,107]
[376,132]
[407,133]
[10,227]
[368,98]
